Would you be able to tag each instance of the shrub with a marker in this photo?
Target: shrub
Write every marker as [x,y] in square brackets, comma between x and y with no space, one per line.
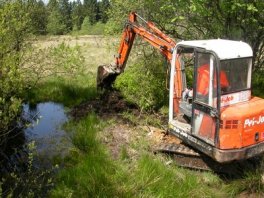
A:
[55,24]
[144,83]
[89,29]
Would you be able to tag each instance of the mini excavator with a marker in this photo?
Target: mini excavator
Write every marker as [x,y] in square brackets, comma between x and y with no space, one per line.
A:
[224,121]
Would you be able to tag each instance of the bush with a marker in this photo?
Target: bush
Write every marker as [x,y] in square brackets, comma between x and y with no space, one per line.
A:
[61,77]
[144,83]
[55,24]
[89,29]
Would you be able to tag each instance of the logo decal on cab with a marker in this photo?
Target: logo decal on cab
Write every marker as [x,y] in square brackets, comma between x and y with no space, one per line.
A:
[254,121]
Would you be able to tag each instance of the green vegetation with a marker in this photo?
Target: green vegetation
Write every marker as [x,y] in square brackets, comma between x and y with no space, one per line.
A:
[63,91]
[62,69]
[62,78]
[88,29]
[60,17]
[29,183]
[258,83]
[90,171]
[144,83]
[252,182]
[13,33]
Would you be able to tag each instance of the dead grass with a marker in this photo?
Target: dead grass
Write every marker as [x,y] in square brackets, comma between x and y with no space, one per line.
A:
[97,50]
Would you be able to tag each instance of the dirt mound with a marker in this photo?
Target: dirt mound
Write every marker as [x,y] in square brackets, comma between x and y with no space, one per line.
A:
[109,104]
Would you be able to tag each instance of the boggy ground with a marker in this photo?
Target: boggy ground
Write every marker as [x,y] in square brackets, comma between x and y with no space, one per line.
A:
[129,135]
[128,129]
[128,122]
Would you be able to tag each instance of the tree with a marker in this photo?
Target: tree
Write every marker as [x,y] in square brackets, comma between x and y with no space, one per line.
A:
[56,22]
[103,8]
[14,29]
[52,4]
[77,14]
[91,10]
[118,13]
[38,16]
[66,10]
[203,19]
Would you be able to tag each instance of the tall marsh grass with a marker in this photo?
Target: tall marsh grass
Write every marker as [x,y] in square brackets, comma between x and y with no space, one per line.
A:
[90,171]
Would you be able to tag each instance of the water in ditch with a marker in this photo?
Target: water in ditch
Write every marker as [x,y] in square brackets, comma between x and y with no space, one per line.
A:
[42,136]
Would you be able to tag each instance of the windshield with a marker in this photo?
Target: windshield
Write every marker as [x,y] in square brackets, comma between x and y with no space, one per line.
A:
[235,75]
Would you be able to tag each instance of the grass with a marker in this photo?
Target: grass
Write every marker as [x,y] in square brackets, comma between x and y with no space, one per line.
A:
[76,60]
[252,182]
[69,92]
[90,171]
[89,168]
[96,29]
[151,177]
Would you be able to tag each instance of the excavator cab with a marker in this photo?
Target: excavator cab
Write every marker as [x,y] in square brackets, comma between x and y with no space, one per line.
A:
[224,121]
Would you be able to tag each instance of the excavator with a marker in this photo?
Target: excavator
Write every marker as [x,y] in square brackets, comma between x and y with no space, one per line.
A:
[222,120]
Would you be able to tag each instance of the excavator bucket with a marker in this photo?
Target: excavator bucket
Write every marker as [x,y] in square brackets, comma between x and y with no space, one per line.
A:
[106,75]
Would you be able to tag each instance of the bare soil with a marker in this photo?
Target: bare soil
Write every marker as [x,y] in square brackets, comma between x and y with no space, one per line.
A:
[123,132]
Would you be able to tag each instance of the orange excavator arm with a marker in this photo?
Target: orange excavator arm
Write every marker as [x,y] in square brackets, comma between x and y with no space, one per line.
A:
[107,74]
[149,33]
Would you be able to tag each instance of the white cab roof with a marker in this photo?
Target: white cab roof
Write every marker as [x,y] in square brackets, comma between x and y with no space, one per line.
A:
[225,49]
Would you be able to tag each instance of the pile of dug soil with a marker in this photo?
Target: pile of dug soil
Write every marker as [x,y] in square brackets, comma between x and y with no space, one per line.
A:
[109,104]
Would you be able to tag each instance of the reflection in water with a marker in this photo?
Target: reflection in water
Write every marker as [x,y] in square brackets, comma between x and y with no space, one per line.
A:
[19,171]
[46,128]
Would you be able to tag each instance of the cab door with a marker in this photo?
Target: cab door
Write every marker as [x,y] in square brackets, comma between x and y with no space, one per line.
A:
[205,104]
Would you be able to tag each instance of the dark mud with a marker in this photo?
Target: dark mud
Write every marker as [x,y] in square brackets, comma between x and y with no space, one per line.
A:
[112,105]
[106,106]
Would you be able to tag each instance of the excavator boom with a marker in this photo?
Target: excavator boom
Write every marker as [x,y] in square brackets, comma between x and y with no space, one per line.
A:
[107,74]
